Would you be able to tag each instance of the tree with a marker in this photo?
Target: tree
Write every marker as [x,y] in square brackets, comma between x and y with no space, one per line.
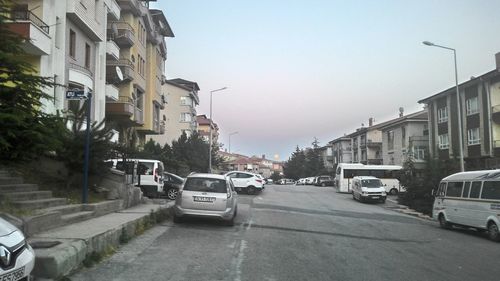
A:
[27,131]
[275,176]
[73,137]
[294,168]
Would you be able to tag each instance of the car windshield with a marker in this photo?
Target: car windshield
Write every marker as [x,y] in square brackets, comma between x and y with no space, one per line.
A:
[371,183]
[205,185]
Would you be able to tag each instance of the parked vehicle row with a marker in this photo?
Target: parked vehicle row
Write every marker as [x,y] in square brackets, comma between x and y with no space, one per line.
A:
[318,181]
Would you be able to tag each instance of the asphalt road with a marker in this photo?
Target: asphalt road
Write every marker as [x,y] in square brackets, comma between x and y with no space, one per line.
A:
[303,233]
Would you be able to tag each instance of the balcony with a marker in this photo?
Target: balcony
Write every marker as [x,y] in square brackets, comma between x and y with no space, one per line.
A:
[33,29]
[112,92]
[122,33]
[112,50]
[126,68]
[132,6]
[373,144]
[113,9]
[123,107]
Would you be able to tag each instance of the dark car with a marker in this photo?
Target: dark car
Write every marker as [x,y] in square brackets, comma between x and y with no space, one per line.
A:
[323,181]
[171,185]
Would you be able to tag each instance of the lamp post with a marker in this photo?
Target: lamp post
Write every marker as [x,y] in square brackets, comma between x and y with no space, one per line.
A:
[233,133]
[210,129]
[460,135]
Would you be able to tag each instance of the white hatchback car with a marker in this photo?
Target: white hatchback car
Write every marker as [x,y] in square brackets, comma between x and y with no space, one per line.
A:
[244,181]
[207,195]
[17,258]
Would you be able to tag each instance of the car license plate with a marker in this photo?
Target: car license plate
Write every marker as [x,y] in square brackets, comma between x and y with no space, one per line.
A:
[204,199]
[14,275]
[375,197]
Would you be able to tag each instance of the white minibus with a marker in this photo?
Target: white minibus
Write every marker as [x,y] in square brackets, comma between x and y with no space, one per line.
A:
[470,199]
[388,174]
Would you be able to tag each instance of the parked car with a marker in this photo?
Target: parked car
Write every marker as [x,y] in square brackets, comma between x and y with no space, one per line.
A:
[17,258]
[368,188]
[171,184]
[244,181]
[309,180]
[263,180]
[150,174]
[207,195]
[286,181]
[269,181]
[324,181]
[301,181]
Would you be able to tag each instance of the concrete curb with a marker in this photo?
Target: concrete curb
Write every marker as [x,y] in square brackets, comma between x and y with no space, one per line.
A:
[407,211]
[97,236]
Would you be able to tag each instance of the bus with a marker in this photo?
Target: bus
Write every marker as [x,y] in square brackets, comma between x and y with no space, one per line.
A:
[470,199]
[388,174]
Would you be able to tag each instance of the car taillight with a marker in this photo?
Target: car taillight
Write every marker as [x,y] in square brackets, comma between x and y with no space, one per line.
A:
[259,181]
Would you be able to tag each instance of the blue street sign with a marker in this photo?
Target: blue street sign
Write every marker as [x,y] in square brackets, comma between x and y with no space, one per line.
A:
[77,94]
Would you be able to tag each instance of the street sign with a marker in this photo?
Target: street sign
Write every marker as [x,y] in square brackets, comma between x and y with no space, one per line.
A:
[77,94]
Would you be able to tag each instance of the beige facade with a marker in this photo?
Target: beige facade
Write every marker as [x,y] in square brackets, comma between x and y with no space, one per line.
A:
[179,113]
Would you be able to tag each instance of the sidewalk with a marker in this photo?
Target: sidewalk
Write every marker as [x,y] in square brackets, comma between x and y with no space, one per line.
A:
[405,210]
[60,251]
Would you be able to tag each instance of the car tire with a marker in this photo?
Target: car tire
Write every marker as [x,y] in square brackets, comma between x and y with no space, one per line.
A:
[251,190]
[443,223]
[353,196]
[172,193]
[393,191]
[493,232]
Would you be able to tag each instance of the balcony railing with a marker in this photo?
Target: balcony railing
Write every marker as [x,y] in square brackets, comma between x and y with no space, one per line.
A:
[29,16]
[123,35]
[126,67]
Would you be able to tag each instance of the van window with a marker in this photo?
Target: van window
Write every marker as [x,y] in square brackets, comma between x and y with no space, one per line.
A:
[475,189]
[454,189]
[491,190]
[127,167]
[375,183]
[145,168]
[442,189]
[465,193]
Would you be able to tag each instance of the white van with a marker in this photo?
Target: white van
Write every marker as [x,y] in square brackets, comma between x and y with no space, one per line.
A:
[149,172]
[470,199]
[368,188]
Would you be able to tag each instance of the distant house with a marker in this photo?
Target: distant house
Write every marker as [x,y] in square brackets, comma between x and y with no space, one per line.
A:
[341,150]
[405,136]
[204,124]
[480,108]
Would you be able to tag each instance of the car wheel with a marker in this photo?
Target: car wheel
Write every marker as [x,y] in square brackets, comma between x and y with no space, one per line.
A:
[393,191]
[353,196]
[251,190]
[443,222]
[172,193]
[493,232]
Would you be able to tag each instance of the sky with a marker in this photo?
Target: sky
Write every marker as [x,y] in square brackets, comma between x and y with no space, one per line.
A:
[300,69]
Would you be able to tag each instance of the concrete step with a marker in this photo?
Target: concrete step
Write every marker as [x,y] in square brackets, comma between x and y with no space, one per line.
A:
[62,209]
[77,217]
[15,187]
[10,180]
[40,204]
[25,196]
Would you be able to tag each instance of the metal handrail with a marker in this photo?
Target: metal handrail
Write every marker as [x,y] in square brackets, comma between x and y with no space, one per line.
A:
[121,62]
[28,15]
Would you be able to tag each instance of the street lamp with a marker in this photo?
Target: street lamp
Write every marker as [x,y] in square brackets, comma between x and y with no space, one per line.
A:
[211,123]
[233,133]
[460,137]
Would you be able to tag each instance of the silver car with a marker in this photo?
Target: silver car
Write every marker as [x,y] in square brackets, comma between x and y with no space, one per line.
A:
[17,258]
[207,195]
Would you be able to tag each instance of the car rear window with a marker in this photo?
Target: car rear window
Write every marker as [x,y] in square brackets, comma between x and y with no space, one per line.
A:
[206,185]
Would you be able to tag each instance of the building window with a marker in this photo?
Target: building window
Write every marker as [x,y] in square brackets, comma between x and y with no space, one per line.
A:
[443,141]
[471,106]
[390,140]
[419,153]
[87,55]
[72,43]
[473,136]
[186,117]
[186,101]
[443,114]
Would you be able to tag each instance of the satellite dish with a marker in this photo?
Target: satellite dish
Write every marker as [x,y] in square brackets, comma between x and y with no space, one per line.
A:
[114,28]
[119,73]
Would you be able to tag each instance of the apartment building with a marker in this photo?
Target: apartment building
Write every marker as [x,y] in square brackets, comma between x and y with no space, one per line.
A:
[480,116]
[204,124]
[341,150]
[135,76]
[179,113]
[326,154]
[67,41]
[367,144]
[406,136]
